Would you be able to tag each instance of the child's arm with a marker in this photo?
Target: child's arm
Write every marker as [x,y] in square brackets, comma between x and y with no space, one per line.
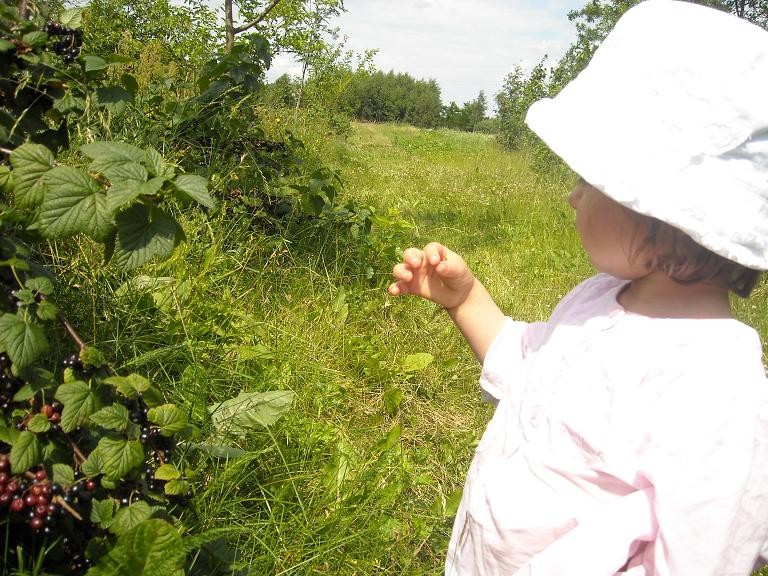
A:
[440,275]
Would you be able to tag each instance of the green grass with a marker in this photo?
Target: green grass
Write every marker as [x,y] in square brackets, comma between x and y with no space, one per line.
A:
[362,475]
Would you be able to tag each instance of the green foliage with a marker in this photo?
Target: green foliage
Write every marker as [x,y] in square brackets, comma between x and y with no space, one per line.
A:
[391,97]
[469,117]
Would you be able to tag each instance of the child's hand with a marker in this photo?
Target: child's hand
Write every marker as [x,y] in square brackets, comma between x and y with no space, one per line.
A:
[435,273]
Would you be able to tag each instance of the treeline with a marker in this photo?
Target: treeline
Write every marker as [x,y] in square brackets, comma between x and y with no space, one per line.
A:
[394,97]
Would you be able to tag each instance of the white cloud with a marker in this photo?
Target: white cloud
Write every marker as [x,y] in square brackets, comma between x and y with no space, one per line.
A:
[466,46]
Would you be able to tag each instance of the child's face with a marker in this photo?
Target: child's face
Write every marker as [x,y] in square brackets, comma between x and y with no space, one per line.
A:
[608,231]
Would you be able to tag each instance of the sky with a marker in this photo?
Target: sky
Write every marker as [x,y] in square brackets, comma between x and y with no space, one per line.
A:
[465,45]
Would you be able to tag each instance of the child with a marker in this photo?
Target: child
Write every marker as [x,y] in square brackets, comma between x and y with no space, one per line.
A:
[631,429]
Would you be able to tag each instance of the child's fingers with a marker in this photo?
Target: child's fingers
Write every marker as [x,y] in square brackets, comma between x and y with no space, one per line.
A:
[413,257]
[435,253]
[402,272]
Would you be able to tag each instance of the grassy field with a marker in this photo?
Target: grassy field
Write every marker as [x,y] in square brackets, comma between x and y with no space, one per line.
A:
[363,473]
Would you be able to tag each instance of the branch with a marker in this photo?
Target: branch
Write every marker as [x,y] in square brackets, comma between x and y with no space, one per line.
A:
[259,18]
[71,331]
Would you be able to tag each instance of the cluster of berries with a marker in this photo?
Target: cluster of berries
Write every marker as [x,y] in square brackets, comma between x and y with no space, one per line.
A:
[9,384]
[69,40]
[44,503]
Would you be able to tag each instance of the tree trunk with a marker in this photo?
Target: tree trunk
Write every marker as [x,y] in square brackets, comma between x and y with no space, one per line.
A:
[229,23]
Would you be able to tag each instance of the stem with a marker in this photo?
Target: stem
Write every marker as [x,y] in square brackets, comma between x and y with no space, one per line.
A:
[71,331]
[6,151]
[77,452]
[63,503]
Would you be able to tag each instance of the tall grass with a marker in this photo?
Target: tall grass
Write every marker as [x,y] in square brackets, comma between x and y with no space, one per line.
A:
[363,474]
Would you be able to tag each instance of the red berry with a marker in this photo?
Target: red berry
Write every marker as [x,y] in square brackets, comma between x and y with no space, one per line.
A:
[42,501]
[37,523]
[55,418]
[4,477]
[40,475]
[41,510]
[90,485]
[30,500]
[36,490]
[17,504]
[5,498]
[46,410]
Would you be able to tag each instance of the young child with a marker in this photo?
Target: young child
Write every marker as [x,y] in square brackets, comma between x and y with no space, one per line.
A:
[631,429]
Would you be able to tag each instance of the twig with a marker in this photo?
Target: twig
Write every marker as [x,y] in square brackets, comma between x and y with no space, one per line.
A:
[77,452]
[6,151]
[71,331]
[63,503]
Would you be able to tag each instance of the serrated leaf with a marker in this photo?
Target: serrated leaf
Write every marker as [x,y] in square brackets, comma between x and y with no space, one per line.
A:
[8,435]
[112,98]
[176,488]
[47,311]
[69,103]
[38,423]
[169,418]
[149,549]
[110,155]
[196,188]
[129,386]
[63,474]
[92,357]
[112,417]
[103,512]
[30,164]
[118,456]
[22,339]
[40,284]
[249,410]
[157,165]
[143,234]
[167,472]
[130,516]
[116,171]
[71,18]
[26,452]
[94,63]
[416,362]
[35,39]
[93,466]
[79,403]
[73,203]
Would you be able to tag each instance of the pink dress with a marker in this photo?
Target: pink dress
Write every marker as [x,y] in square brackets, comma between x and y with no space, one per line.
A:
[621,444]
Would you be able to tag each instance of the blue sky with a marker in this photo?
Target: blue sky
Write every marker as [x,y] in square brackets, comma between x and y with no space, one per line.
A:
[465,45]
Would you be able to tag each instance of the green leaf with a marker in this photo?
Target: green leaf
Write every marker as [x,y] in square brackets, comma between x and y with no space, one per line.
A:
[35,39]
[219,450]
[47,311]
[392,400]
[40,284]
[63,474]
[79,403]
[170,419]
[143,234]
[129,386]
[6,45]
[94,63]
[112,417]
[416,362]
[73,203]
[30,164]
[157,165]
[71,18]
[123,193]
[118,456]
[93,465]
[26,452]
[8,435]
[176,488]
[109,155]
[38,423]
[152,548]
[134,172]
[92,357]
[112,98]
[103,511]
[249,410]
[196,188]
[167,472]
[131,516]
[69,103]
[22,338]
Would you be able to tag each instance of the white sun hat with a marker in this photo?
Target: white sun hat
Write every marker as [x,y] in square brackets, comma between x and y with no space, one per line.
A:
[670,118]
